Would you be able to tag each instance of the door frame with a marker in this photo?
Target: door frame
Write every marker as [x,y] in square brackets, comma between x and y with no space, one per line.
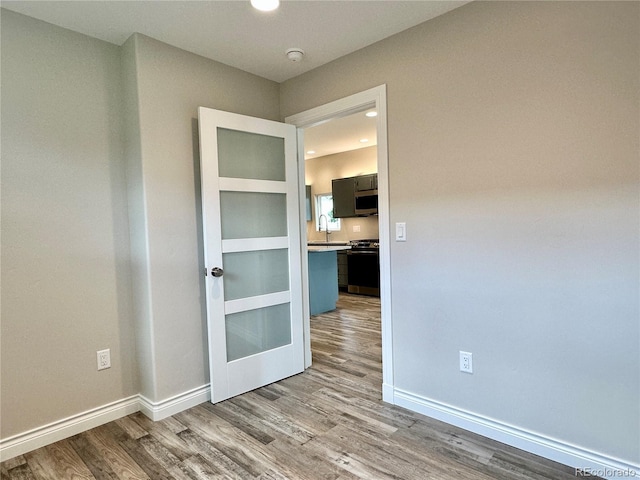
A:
[373,98]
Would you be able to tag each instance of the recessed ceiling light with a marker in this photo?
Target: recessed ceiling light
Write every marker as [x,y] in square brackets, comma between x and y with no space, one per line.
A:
[265,5]
[311,152]
[364,140]
[372,114]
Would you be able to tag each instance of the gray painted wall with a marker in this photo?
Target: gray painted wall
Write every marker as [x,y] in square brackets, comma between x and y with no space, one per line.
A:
[170,84]
[137,227]
[513,157]
[513,152]
[95,136]
[66,289]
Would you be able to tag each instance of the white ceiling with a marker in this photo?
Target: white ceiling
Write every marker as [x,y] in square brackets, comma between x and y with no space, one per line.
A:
[234,33]
[340,135]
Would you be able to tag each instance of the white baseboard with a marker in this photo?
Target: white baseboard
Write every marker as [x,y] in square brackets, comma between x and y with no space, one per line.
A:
[160,410]
[577,457]
[589,461]
[67,427]
[39,437]
[387,393]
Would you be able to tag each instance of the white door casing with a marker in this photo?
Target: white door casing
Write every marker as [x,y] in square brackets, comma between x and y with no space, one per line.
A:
[375,97]
[251,226]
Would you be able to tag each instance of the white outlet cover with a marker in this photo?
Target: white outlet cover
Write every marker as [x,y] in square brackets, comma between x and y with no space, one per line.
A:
[466,362]
[104,359]
[401,232]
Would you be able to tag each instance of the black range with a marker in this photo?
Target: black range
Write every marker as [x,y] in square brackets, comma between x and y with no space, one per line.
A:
[364,267]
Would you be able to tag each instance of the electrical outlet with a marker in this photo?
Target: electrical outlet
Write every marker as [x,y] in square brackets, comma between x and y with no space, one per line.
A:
[104,359]
[356,228]
[466,362]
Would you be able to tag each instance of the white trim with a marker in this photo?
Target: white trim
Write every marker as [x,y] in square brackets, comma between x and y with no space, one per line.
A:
[59,430]
[66,427]
[254,244]
[375,97]
[336,109]
[253,303]
[302,194]
[387,392]
[250,185]
[176,404]
[526,440]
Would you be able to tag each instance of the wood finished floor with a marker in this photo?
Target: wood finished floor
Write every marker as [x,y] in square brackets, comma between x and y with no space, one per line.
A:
[326,423]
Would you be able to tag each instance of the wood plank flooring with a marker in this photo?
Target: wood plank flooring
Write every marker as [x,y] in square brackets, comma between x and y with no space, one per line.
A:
[327,423]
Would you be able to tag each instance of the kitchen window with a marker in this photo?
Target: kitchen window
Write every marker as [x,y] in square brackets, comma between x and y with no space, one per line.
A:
[324,206]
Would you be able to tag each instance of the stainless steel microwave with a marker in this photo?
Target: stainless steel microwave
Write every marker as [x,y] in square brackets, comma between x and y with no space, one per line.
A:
[366,202]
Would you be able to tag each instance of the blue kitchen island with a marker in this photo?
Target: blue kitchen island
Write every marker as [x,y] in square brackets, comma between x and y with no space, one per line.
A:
[323,277]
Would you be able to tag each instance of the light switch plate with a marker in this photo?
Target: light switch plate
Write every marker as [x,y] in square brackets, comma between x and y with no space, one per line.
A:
[401,232]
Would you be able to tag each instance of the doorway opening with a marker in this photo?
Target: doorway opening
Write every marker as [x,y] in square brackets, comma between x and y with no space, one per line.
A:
[369,100]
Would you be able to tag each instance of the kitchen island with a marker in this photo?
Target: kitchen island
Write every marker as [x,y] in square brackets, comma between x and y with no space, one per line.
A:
[323,276]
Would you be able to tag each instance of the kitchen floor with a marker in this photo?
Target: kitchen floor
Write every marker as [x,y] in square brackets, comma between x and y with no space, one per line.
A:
[326,423]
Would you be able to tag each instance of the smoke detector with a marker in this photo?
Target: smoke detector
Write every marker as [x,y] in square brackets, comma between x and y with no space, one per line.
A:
[295,54]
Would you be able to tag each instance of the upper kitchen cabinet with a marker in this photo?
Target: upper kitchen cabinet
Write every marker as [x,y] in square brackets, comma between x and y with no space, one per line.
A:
[343,191]
[366,182]
[355,196]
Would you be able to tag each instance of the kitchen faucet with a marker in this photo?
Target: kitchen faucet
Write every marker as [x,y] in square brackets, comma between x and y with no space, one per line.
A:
[326,227]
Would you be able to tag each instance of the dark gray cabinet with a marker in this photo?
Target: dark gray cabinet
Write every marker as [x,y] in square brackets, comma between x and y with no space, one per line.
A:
[366,182]
[343,272]
[355,196]
[308,202]
[343,190]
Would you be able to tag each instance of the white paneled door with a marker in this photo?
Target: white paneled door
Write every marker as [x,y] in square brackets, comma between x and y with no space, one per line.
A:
[251,218]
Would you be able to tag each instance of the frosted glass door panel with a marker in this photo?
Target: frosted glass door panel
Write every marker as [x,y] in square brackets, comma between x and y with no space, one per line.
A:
[253,215]
[257,331]
[248,274]
[250,155]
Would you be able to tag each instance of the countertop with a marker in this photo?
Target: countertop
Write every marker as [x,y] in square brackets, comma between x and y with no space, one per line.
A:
[327,248]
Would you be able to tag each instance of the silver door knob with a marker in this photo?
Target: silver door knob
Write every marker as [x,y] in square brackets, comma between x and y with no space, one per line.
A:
[217,272]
